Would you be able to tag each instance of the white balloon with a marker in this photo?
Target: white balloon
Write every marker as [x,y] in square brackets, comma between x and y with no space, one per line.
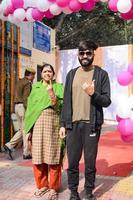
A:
[1,9]
[19,14]
[30,3]
[2,17]
[67,10]
[131,117]
[3,4]
[82,1]
[123,109]
[13,20]
[55,9]
[124,6]
[25,4]
[29,15]
[130,101]
[8,2]
[43,5]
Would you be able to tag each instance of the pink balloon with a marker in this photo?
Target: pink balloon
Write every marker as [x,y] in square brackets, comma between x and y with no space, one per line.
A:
[88,6]
[118,119]
[17,3]
[128,15]
[10,9]
[48,14]
[128,138]
[75,5]
[112,4]
[37,15]
[125,127]
[130,67]
[124,78]
[62,3]
[6,13]
[52,1]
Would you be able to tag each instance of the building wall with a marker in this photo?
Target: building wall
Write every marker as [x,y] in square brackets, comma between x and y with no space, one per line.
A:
[25,61]
[38,57]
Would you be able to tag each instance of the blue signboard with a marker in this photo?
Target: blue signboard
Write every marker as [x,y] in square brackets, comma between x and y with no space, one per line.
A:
[25,51]
[41,37]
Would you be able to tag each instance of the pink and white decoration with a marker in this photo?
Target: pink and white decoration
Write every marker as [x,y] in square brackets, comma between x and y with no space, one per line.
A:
[124,115]
[36,10]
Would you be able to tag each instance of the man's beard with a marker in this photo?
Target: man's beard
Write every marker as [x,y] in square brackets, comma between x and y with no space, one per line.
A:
[85,62]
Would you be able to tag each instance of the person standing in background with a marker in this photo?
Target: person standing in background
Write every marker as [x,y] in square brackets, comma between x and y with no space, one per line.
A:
[22,91]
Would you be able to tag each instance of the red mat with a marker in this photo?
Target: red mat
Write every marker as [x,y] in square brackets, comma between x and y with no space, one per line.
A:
[115,157]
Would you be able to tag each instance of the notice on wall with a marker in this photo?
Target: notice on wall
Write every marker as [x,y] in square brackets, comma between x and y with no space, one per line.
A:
[26,35]
[41,37]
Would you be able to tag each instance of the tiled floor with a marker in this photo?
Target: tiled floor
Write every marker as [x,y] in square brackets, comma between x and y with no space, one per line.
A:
[17,183]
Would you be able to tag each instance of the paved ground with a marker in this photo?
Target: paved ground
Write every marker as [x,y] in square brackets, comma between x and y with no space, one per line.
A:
[17,183]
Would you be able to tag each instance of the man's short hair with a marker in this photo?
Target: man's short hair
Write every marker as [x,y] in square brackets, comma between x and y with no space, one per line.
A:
[87,44]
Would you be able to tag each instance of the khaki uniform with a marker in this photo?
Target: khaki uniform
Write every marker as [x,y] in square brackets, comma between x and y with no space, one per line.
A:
[22,92]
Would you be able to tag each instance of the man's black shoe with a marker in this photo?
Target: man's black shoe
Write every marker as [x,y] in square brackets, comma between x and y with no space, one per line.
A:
[8,151]
[27,157]
[90,196]
[74,196]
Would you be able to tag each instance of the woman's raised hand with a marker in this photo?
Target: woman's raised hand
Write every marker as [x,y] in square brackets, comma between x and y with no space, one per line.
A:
[51,93]
[49,85]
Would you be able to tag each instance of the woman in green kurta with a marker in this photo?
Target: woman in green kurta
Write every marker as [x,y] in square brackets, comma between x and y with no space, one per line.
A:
[42,117]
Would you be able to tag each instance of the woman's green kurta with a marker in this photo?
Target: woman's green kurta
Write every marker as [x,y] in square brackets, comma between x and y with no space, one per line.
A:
[39,100]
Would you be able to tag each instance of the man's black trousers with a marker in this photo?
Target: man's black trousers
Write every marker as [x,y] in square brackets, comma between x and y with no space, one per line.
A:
[80,138]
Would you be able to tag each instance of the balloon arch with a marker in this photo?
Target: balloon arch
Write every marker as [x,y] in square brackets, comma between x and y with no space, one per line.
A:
[124,115]
[17,11]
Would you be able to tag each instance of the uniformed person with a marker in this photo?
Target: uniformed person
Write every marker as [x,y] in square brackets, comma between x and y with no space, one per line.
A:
[22,92]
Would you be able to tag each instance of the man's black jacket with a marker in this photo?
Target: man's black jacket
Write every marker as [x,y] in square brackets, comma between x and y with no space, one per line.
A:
[100,99]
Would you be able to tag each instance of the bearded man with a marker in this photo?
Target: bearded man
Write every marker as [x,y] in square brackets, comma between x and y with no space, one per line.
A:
[87,91]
